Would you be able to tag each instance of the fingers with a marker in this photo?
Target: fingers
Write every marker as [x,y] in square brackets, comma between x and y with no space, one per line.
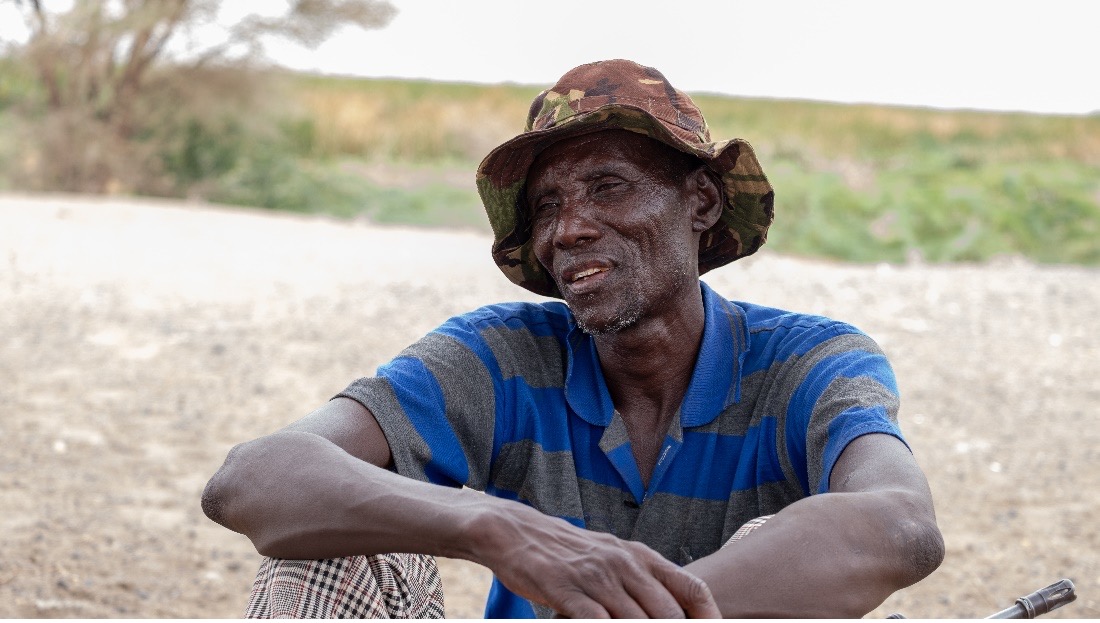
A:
[645,585]
[692,594]
[581,606]
[618,603]
[582,574]
[655,600]
[699,602]
[597,589]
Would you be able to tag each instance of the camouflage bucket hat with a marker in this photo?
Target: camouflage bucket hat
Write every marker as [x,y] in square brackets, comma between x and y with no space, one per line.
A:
[620,94]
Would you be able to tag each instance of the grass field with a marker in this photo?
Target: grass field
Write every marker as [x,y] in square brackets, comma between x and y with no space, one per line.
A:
[853,182]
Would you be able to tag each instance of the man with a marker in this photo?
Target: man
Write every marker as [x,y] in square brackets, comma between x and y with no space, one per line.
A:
[625,437]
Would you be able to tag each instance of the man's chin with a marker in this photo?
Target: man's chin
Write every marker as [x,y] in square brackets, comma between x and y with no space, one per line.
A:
[602,313]
[595,324]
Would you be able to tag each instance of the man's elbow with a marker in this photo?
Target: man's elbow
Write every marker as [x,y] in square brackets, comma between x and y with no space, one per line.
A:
[930,553]
[218,493]
[921,548]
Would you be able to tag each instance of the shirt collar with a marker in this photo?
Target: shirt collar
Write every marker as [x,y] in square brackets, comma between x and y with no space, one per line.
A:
[715,382]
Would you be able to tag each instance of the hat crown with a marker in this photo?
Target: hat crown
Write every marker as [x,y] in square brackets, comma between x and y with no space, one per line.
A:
[622,83]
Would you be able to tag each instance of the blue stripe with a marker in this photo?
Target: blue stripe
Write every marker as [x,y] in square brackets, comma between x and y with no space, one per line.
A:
[590,461]
[849,364]
[504,604]
[773,343]
[622,458]
[713,366]
[763,464]
[585,388]
[545,320]
[540,415]
[422,402]
[471,338]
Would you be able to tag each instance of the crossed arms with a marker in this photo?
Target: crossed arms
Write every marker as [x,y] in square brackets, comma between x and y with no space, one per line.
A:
[319,488]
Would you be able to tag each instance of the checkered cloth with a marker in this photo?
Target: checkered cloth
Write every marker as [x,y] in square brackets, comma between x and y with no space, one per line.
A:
[385,586]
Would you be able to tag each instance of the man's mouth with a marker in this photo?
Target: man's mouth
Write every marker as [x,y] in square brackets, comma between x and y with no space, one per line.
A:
[585,274]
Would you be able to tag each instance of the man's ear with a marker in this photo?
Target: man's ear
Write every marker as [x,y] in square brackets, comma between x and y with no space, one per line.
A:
[708,198]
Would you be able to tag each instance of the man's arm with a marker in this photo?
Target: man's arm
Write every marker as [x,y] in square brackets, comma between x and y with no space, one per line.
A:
[319,489]
[838,554]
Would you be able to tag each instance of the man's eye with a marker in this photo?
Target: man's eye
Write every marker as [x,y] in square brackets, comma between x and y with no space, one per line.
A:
[544,206]
[605,185]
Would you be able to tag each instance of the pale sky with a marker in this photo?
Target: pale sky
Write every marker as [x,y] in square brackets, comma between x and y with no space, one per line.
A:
[1040,56]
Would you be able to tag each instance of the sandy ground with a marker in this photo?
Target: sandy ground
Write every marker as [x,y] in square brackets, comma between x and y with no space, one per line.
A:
[140,341]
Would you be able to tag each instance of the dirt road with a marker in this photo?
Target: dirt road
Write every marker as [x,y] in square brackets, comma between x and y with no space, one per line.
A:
[140,341]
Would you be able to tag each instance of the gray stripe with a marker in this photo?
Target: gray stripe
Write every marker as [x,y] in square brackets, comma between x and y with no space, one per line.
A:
[783,379]
[736,319]
[538,360]
[842,394]
[735,419]
[675,429]
[410,452]
[615,434]
[468,396]
[766,499]
[697,531]
[547,480]
[702,526]
[608,509]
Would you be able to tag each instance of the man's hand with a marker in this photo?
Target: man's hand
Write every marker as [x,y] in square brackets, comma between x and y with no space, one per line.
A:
[270,490]
[584,574]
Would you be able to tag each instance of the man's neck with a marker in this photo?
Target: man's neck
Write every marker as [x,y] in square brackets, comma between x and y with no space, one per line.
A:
[649,366]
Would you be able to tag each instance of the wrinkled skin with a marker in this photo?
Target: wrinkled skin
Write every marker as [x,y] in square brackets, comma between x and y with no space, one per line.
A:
[632,209]
[604,201]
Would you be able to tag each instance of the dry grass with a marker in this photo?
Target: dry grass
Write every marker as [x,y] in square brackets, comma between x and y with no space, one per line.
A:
[408,120]
[419,119]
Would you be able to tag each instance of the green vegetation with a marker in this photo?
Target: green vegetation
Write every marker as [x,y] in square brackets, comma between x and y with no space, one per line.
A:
[853,182]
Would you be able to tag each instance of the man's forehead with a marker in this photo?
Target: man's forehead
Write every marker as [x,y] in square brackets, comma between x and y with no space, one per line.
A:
[621,145]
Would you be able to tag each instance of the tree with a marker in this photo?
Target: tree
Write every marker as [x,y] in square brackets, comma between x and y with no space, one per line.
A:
[99,63]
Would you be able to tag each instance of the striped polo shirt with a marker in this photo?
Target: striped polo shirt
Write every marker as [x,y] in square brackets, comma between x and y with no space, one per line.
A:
[510,399]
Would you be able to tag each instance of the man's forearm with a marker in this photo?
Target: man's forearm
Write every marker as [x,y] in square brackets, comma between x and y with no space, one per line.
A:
[833,555]
[298,495]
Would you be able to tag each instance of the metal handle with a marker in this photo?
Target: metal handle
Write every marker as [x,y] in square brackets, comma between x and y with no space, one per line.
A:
[1040,602]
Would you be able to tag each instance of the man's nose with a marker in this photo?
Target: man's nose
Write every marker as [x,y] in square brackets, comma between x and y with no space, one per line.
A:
[575,225]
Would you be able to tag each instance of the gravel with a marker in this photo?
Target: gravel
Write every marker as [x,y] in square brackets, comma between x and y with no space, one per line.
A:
[140,340]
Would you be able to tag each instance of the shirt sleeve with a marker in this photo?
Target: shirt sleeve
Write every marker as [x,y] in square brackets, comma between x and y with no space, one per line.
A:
[847,389]
[436,403]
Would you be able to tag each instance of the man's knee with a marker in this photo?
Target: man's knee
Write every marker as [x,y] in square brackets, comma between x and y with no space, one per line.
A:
[384,586]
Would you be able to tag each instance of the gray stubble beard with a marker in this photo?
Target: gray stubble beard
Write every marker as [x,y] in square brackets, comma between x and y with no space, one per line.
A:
[622,321]
[627,316]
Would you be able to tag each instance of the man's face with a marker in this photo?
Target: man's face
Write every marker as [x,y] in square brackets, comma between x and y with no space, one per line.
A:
[611,224]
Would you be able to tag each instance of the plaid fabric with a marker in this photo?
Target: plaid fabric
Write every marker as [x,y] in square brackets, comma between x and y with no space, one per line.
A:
[386,586]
